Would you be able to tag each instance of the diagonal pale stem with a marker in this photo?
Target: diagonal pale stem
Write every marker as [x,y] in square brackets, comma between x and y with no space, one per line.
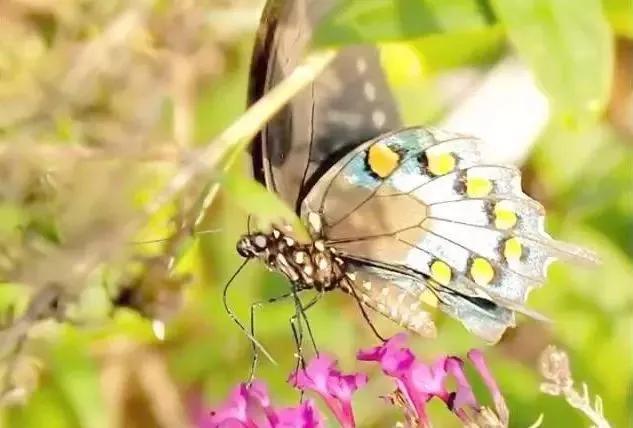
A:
[238,135]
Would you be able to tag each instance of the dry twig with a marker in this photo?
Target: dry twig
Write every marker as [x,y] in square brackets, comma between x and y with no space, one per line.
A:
[554,367]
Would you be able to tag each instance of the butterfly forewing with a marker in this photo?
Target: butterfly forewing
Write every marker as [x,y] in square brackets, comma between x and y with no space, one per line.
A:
[421,200]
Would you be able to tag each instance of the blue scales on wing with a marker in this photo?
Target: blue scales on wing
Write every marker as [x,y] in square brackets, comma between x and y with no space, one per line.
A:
[421,222]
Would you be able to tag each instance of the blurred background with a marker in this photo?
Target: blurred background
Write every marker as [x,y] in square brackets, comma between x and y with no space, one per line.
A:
[113,319]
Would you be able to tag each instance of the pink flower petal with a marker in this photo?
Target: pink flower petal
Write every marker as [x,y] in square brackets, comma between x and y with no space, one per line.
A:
[416,382]
[429,380]
[234,409]
[477,358]
[247,406]
[464,396]
[258,392]
[314,376]
[305,415]
[394,358]
[336,389]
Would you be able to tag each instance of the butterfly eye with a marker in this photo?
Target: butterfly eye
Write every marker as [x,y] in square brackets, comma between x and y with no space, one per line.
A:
[244,247]
[260,242]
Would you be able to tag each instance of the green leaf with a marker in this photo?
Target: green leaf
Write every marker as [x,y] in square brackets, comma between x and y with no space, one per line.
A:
[456,49]
[77,377]
[569,46]
[410,67]
[253,198]
[360,21]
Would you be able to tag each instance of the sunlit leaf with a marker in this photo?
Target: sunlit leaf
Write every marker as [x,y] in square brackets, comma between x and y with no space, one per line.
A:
[620,14]
[410,67]
[253,198]
[358,21]
[455,49]
[595,151]
[47,407]
[568,45]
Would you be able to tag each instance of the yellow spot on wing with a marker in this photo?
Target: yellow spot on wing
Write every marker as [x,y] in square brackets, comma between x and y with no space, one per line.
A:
[382,160]
[482,271]
[505,216]
[476,187]
[441,272]
[512,250]
[428,298]
[440,164]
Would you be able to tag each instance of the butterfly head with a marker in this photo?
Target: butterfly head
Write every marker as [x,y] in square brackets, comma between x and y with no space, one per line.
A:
[252,246]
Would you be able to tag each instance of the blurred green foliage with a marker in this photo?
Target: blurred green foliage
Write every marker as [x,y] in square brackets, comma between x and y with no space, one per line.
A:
[58,161]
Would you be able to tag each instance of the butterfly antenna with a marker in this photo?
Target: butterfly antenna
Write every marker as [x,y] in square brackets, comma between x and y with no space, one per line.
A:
[364,312]
[206,231]
[159,240]
[248,224]
[234,318]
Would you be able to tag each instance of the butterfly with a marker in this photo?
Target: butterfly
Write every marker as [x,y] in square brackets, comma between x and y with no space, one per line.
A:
[412,220]
[404,220]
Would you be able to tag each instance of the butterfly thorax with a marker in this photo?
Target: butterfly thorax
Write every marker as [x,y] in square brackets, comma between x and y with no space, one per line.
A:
[307,265]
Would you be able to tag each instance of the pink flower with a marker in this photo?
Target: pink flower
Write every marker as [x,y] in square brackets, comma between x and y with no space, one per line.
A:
[464,396]
[464,404]
[336,389]
[394,359]
[249,407]
[305,415]
[477,358]
[417,382]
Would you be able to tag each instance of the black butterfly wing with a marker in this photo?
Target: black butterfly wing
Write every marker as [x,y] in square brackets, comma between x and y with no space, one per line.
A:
[348,104]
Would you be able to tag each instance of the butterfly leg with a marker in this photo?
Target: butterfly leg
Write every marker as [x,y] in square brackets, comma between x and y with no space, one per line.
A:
[255,306]
[364,312]
[296,324]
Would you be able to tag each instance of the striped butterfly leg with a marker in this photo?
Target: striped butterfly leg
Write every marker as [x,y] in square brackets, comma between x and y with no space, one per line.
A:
[347,286]
[255,350]
[296,324]
[296,321]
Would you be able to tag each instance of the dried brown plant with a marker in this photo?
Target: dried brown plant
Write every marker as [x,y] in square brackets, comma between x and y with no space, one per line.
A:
[554,367]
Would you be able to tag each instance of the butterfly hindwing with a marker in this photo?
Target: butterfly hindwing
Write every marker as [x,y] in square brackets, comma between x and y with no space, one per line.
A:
[395,296]
[421,199]
[407,298]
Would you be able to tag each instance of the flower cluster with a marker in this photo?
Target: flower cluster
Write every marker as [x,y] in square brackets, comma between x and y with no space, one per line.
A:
[335,388]
[416,384]
[249,406]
